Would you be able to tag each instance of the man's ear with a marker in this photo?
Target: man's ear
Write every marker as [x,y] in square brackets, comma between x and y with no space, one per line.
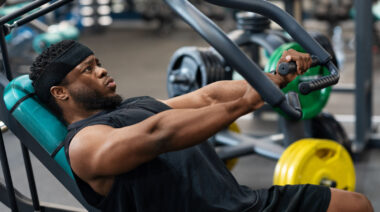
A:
[59,92]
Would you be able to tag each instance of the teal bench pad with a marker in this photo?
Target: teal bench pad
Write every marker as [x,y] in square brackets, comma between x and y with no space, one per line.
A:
[42,124]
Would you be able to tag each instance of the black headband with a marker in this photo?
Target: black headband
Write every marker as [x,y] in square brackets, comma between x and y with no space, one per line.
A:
[57,70]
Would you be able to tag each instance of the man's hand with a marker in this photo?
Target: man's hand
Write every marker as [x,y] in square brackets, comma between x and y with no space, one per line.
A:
[303,61]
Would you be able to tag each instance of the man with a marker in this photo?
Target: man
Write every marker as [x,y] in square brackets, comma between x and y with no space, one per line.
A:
[144,154]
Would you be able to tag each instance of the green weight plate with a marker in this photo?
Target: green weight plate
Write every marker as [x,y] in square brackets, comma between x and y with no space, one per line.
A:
[312,103]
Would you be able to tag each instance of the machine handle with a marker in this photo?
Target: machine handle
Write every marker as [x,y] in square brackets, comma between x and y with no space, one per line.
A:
[295,30]
[322,82]
[285,68]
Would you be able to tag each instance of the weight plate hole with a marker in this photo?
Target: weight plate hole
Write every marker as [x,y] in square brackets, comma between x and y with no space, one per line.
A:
[325,153]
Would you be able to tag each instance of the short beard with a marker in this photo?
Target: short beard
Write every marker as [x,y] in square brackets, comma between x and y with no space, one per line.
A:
[93,100]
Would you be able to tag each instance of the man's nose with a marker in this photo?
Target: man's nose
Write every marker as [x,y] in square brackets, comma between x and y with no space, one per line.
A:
[100,72]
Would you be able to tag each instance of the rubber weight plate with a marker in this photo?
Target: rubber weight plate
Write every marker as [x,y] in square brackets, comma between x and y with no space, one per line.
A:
[191,68]
[312,103]
[316,161]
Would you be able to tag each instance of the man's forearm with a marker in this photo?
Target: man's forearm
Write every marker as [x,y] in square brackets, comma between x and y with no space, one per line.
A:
[217,92]
[181,128]
[224,91]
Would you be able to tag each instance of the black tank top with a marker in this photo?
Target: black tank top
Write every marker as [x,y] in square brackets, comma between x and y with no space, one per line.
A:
[193,179]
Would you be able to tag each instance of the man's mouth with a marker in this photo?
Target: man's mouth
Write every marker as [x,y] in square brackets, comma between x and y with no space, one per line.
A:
[110,83]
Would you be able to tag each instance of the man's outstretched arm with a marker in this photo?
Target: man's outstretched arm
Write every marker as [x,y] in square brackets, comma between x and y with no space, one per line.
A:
[223,91]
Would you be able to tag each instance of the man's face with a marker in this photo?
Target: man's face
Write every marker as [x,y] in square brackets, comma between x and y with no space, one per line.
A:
[90,86]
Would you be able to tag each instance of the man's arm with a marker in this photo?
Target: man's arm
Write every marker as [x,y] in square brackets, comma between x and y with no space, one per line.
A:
[101,151]
[223,91]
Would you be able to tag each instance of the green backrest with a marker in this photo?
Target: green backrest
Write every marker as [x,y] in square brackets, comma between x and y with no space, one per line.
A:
[45,128]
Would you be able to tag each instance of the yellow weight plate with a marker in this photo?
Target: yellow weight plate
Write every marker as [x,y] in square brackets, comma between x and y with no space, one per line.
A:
[328,162]
[316,161]
[282,165]
[291,162]
[300,148]
[231,163]
[234,128]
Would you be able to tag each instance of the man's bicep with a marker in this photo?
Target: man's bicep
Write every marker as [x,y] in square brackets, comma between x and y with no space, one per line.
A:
[101,150]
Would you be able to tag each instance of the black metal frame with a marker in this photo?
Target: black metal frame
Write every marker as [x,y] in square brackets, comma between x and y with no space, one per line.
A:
[14,199]
[363,77]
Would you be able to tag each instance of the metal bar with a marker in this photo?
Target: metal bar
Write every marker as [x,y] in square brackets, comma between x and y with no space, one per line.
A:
[29,174]
[25,204]
[363,73]
[344,88]
[7,175]
[33,5]
[375,141]
[4,52]
[289,6]
[266,146]
[292,130]
[294,8]
[39,13]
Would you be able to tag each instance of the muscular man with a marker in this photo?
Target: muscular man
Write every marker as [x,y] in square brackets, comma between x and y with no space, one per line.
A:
[143,154]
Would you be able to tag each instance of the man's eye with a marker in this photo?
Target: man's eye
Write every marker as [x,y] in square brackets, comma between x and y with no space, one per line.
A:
[88,68]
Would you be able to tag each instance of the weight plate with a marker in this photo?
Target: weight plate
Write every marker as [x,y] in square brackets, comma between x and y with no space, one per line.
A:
[316,161]
[313,103]
[191,68]
[282,166]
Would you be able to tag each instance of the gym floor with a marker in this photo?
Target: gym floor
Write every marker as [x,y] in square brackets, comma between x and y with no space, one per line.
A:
[137,58]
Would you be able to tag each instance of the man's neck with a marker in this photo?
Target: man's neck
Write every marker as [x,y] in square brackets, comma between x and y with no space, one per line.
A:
[71,117]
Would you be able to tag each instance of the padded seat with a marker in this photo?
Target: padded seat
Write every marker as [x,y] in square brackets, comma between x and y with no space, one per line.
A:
[42,124]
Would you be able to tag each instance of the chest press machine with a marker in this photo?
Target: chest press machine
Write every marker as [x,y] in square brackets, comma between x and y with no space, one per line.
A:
[42,133]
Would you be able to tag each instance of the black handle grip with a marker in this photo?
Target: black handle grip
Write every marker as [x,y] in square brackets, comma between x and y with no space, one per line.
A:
[307,87]
[332,79]
[285,68]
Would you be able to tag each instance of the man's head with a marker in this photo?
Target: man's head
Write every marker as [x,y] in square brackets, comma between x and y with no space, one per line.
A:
[67,74]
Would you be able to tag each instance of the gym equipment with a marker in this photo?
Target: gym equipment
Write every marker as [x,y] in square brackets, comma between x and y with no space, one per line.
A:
[312,103]
[236,144]
[26,42]
[253,33]
[324,125]
[316,161]
[20,100]
[191,68]
[55,34]
[364,133]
